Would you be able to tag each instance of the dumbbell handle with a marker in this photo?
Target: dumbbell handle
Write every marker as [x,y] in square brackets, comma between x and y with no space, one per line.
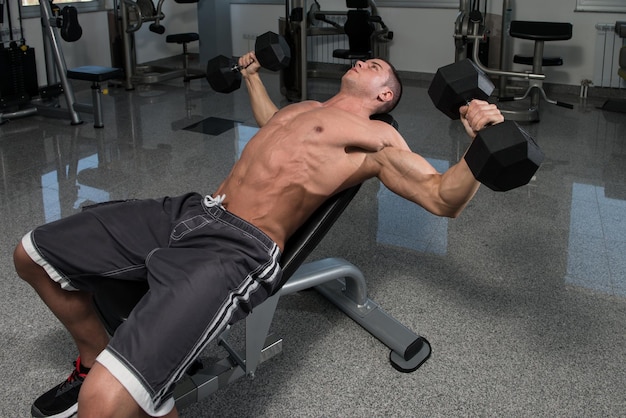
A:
[237,68]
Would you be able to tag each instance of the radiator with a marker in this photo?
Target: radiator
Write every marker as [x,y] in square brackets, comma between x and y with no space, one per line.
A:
[320,47]
[608,45]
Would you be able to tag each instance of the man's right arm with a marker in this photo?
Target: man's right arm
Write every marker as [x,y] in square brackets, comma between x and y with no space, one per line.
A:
[412,177]
[262,106]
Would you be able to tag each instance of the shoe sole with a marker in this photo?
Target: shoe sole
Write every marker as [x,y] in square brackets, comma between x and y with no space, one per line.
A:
[68,413]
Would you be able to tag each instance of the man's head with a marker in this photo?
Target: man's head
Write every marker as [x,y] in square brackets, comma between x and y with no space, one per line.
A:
[378,79]
[394,83]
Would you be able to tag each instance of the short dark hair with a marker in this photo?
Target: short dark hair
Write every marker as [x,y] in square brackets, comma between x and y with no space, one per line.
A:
[395,84]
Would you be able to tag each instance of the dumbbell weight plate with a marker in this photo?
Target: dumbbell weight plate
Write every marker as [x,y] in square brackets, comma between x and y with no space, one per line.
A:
[272,51]
[503,157]
[220,75]
[456,84]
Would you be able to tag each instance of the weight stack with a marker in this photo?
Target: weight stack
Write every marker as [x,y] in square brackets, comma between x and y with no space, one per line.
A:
[19,81]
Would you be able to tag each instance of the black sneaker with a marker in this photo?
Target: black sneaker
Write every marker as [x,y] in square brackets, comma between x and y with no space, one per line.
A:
[62,400]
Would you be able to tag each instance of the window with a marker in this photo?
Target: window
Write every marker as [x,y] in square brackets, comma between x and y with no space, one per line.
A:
[36,2]
[432,4]
[609,6]
[30,8]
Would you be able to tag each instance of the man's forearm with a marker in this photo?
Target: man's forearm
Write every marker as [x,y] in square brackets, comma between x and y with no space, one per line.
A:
[411,176]
[262,106]
[458,186]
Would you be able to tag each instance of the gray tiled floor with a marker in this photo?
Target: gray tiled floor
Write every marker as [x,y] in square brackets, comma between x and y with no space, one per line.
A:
[523,297]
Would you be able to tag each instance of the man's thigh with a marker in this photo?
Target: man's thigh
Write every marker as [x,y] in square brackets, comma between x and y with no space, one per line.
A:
[106,241]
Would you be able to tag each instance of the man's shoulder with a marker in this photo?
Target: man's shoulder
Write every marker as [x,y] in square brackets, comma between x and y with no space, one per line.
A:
[303,105]
[385,117]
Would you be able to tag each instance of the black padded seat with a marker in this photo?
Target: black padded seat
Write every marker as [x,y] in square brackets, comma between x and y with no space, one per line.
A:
[545,62]
[180,38]
[541,31]
[95,73]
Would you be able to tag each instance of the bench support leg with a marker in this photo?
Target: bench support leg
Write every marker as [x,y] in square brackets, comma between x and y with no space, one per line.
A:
[95,108]
[98,121]
[344,285]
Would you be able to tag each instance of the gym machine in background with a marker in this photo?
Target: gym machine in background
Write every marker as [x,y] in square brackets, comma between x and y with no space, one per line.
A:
[471,37]
[18,83]
[20,95]
[133,15]
[299,27]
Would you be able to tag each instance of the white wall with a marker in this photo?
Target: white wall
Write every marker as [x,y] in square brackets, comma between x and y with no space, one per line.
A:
[254,22]
[422,43]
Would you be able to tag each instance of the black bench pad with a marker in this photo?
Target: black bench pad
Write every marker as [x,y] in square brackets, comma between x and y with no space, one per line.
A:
[541,31]
[95,73]
[545,62]
[180,38]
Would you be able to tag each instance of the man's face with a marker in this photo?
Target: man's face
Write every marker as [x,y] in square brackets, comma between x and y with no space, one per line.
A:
[367,75]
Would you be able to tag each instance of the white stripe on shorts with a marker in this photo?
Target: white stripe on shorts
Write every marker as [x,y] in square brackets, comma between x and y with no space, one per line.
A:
[33,253]
[133,385]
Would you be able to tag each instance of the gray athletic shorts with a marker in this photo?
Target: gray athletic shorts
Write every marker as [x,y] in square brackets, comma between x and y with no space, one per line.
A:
[206,268]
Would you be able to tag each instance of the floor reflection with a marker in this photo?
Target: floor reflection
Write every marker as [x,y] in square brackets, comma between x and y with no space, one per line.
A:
[404,224]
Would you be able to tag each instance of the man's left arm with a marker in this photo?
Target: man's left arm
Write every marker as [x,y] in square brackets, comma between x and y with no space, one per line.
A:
[263,107]
[412,177]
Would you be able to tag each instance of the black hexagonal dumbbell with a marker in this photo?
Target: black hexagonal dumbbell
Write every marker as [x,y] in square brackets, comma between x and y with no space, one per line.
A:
[502,156]
[272,51]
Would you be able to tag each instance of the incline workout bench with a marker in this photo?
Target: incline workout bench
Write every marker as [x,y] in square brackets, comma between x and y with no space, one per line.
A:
[337,279]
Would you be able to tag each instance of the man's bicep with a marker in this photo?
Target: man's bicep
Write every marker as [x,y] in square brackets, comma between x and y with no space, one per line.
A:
[263,108]
[409,175]
[264,115]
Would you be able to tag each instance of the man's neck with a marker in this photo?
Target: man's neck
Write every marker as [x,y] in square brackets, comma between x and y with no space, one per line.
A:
[350,103]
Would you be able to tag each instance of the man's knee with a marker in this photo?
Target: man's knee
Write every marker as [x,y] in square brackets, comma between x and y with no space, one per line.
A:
[102,395]
[25,267]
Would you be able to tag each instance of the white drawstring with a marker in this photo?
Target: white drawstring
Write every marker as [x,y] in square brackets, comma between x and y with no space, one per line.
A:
[211,201]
